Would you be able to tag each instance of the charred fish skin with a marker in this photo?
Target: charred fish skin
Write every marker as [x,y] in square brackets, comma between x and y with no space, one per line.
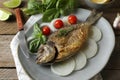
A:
[70,42]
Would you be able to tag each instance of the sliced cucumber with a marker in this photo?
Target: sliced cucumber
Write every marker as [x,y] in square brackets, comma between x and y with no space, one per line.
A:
[63,68]
[90,48]
[80,60]
[95,33]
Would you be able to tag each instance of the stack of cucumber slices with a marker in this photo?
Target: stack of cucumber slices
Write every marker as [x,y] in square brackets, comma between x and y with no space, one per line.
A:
[79,61]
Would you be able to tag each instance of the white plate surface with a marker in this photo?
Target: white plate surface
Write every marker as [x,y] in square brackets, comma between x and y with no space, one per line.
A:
[94,66]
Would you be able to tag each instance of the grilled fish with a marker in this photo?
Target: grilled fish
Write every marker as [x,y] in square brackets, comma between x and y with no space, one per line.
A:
[66,42]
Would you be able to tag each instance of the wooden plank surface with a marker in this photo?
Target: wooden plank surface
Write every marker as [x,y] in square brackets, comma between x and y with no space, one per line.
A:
[111,74]
[7,66]
[8,74]
[6,59]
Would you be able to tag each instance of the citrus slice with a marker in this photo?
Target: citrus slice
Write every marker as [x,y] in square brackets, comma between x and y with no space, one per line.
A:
[4,14]
[100,1]
[12,3]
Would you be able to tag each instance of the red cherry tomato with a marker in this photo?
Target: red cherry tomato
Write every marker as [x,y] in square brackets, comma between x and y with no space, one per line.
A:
[46,30]
[58,24]
[72,19]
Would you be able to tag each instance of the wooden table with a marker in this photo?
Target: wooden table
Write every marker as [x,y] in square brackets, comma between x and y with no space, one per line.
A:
[8,30]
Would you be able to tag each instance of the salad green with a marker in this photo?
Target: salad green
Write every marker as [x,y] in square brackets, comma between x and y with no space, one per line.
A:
[38,39]
[49,8]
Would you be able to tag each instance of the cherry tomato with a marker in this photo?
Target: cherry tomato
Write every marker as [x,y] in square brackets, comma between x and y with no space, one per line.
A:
[58,24]
[72,19]
[46,30]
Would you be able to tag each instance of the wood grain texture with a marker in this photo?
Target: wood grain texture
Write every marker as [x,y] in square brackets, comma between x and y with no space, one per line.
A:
[111,74]
[8,74]
[6,59]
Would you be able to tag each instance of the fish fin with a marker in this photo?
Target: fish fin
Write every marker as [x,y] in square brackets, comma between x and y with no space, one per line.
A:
[94,16]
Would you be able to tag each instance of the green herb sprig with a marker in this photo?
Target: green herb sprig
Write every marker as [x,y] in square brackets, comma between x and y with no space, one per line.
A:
[49,8]
[38,39]
[64,32]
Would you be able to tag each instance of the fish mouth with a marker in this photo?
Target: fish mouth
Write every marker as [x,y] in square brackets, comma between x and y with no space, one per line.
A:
[47,53]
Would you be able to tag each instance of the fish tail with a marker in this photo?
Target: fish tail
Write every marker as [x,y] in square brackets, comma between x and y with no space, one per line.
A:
[94,17]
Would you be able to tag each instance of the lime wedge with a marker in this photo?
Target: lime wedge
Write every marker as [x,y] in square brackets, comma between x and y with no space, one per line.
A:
[4,14]
[12,3]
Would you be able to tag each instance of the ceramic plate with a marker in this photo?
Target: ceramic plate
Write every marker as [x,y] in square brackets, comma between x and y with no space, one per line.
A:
[94,65]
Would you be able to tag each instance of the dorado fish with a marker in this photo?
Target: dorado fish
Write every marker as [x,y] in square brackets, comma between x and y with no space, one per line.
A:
[67,41]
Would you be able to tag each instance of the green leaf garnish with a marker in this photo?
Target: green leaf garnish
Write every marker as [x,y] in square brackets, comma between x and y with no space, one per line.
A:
[38,39]
[50,8]
[64,32]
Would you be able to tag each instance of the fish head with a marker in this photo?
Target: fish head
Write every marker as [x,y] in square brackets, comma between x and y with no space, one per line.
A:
[46,53]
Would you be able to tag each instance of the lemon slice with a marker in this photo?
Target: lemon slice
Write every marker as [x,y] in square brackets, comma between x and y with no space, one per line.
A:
[4,14]
[100,1]
[12,3]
